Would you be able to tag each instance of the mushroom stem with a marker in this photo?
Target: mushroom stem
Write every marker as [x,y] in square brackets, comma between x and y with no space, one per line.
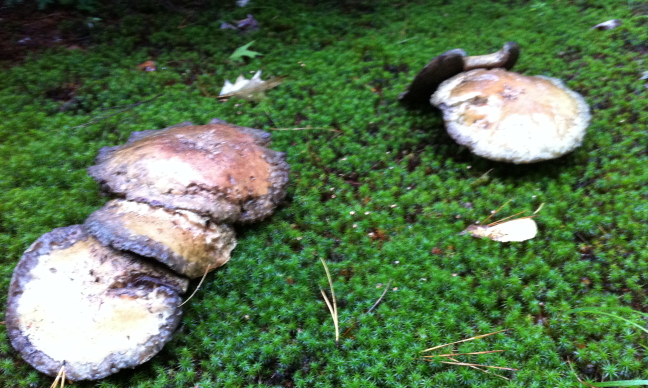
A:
[505,58]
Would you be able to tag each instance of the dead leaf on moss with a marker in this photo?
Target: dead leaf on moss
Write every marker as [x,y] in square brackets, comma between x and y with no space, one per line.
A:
[610,24]
[519,229]
[250,89]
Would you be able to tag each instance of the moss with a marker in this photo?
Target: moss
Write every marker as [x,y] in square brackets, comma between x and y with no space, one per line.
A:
[379,191]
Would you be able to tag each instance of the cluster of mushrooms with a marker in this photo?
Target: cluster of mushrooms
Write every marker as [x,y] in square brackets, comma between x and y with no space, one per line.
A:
[107,295]
[498,114]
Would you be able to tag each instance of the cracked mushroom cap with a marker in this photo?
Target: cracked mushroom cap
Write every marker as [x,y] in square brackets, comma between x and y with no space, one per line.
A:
[508,117]
[188,243]
[219,170]
[73,301]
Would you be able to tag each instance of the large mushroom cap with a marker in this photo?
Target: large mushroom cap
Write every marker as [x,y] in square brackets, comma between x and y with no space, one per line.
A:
[188,243]
[220,170]
[94,309]
[505,116]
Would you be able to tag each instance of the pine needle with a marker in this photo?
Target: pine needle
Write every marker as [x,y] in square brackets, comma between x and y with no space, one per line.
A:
[60,376]
[463,354]
[454,361]
[197,288]
[332,307]
[464,340]
[478,365]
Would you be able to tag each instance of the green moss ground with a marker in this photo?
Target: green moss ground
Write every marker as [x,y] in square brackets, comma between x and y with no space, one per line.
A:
[260,320]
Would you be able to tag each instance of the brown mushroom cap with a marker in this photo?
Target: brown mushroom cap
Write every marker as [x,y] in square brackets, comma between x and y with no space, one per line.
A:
[439,69]
[505,116]
[188,243]
[94,309]
[220,170]
[451,63]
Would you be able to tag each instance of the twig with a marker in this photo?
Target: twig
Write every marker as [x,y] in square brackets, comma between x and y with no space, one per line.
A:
[379,299]
[332,308]
[129,107]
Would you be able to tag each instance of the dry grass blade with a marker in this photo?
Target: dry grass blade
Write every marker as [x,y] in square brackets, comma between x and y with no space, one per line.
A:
[60,376]
[332,307]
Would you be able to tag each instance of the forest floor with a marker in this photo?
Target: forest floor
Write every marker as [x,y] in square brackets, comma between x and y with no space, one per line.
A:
[379,191]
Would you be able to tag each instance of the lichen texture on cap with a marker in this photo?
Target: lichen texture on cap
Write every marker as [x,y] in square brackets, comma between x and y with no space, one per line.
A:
[219,170]
[505,116]
[92,308]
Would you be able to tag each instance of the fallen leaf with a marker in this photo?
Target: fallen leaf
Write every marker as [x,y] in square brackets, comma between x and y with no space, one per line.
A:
[520,229]
[250,89]
[610,24]
[243,51]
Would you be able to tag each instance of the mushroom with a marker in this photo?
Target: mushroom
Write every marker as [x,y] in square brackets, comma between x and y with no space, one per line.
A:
[218,170]
[505,116]
[188,243]
[451,63]
[75,302]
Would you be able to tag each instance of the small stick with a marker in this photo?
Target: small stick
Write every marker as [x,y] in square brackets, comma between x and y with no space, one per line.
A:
[381,296]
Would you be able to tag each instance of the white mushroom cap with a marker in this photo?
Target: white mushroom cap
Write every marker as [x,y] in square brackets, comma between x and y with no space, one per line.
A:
[505,116]
[188,243]
[94,309]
